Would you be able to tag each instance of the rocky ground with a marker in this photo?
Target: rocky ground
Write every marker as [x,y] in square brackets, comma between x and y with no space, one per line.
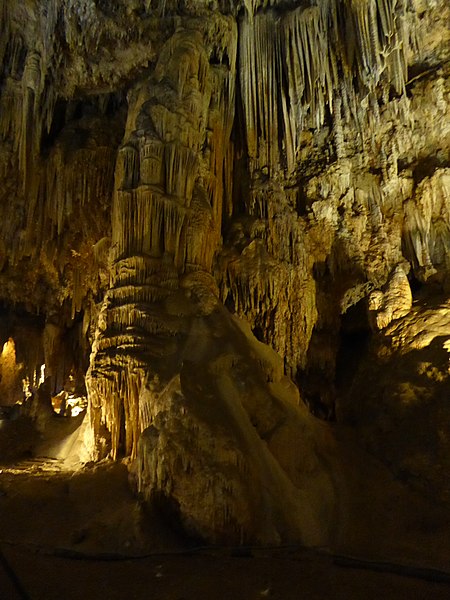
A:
[84,535]
[291,576]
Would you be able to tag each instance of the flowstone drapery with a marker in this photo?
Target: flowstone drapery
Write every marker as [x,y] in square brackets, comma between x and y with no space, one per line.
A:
[171,172]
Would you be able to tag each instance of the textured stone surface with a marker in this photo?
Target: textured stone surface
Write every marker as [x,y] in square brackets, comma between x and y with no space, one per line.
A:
[399,398]
[165,164]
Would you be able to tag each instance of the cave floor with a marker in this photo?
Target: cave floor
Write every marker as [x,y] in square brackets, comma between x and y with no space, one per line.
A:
[177,577]
[82,536]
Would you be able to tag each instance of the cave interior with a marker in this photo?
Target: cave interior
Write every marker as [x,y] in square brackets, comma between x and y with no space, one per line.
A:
[224,299]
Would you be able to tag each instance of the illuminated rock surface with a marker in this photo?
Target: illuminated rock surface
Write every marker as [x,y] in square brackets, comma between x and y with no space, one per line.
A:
[228,224]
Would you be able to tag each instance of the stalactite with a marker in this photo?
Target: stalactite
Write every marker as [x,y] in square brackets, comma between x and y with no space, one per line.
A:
[179,166]
[146,223]
[426,227]
[306,48]
[117,395]
[338,130]
[259,85]
[127,168]
[151,161]
[59,192]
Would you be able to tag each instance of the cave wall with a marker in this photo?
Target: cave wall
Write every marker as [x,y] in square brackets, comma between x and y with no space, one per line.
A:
[163,160]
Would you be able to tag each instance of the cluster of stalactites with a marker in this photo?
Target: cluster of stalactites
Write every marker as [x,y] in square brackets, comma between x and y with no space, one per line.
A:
[50,187]
[37,40]
[175,168]
[60,190]
[123,416]
[328,58]
[426,226]
[30,59]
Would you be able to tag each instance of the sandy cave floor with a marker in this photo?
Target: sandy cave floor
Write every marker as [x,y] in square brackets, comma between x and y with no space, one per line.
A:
[83,535]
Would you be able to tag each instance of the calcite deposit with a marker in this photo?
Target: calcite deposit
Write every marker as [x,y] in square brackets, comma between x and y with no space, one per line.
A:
[220,219]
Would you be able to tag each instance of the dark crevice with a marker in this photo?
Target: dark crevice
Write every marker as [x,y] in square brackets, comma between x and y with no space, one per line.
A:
[355,335]
[241,180]
[426,168]
[259,333]
[419,71]
[58,123]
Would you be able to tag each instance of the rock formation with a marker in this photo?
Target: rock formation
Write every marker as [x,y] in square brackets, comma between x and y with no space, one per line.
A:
[223,218]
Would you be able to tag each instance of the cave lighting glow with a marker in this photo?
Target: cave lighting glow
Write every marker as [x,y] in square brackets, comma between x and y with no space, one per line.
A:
[42,375]
[9,349]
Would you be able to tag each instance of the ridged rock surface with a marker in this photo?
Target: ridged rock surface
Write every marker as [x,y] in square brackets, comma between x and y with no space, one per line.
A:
[181,178]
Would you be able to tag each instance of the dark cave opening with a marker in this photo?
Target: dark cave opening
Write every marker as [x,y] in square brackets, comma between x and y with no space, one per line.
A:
[354,338]
[230,304]
[258,332]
